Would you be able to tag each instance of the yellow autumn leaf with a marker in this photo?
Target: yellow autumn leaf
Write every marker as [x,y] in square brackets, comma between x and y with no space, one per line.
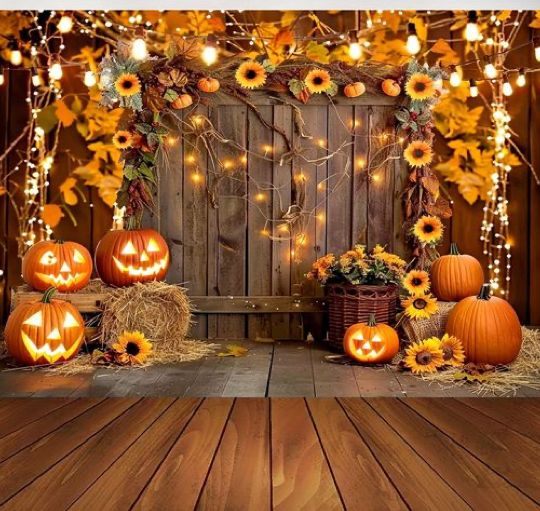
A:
[90,173]
[64,114]
[108,188]
[3,190]
[469,186]
[535,23]
[288,18]
[66,188]
[448,55]
[51,214]
[234,350]
[317,52]
[466,148]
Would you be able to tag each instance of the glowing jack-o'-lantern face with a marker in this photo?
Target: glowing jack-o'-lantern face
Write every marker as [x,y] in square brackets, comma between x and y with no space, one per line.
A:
[371,342]
[44,332]
[67,266]
[126,257]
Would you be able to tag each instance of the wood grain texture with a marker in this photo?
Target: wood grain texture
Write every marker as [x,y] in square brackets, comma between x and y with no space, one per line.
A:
[240,474]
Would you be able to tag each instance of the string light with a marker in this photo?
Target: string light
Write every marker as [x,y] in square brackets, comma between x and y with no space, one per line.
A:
[355,49]
[455,77]
[537,48]
[89,79]
[472,33]
[15,57]
[521,80]
[139,51]
[36,79]
[490,71]
[2,78]
[413,44]
[209,53]
[507,87]
[65,24]
[55,70]
[473,88]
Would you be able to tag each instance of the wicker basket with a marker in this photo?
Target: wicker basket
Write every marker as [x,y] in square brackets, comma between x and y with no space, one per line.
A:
[349,304]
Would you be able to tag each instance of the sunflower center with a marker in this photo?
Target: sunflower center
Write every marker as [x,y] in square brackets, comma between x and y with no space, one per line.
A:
[251,74]
[418,153]
[127,84]
[428,228]
[122,139]
[132,348]
[317,80]
[423,358]
[420,87]
[416,281]
[448,352]
[419,303]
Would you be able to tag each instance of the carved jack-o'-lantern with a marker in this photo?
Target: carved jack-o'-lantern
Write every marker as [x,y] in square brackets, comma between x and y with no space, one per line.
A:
[44,332]
[126,257]
[67,266]
[371,342]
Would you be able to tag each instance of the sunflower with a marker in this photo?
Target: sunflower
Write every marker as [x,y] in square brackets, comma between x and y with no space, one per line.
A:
[416,281]
[317,81]
[420,306]
[122,139]
[127,84]
[420,86]
[418,153]
[453,353]
[132,347]
[428,229]
[251,75]
[423,357]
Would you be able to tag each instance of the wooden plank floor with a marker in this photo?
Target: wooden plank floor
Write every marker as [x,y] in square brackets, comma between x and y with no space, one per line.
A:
[270,369]
[261,454]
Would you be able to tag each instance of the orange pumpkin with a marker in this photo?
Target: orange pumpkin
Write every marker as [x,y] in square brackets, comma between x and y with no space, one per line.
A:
[44,332]
[208,85]
[456,276]
[126,257]
[391,87]
[355,89]
[182,101]
[67,266]
[371,342]
[488,328]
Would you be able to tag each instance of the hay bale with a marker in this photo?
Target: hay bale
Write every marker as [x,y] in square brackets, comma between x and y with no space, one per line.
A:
[416,330]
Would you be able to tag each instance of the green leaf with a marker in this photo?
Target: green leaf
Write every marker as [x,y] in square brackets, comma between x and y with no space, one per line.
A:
[403,116]
[152,139]
[296,86]
[332,90]
[143,128]
[46,118]
[131,172]
[170,95]
[147,172]
[268,66]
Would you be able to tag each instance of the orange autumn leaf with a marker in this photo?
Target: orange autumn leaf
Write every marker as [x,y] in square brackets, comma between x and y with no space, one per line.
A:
[64,114]
[52,214]
[66,188]
[3,190]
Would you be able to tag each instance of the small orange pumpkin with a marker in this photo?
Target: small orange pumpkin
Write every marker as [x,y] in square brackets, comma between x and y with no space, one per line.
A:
[456,276]
[355,89]
[391,87]
[45,331]
[67,266]
[488,328]
[182,101]
[124,257]
[371,342]
[208,85]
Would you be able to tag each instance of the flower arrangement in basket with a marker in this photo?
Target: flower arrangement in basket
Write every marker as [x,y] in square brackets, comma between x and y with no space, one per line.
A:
[359,284]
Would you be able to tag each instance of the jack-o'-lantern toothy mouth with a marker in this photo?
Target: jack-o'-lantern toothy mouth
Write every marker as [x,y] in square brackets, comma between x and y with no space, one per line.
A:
[45,351]
[140,271]
[61,280]
[369,348]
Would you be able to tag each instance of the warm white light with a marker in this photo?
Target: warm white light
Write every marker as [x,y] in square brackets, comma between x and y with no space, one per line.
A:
[472,33]
[355,50]
[209,54]
[65,24]
[507,88]
[455,78]
[138,49]
[490,71]
[537,52]
[473,89]
[36,79]
[521,80]
[16,57]
[2,77]
[413,44]
[55,71]
[89,79]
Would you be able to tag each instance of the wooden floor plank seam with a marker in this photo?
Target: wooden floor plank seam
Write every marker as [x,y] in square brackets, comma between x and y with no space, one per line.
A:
[270,369]
[472,453]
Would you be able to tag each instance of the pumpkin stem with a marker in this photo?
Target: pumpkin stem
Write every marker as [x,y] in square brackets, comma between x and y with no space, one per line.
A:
[48,294]
[59,242]
[372,321]
[454,249]
[485,292]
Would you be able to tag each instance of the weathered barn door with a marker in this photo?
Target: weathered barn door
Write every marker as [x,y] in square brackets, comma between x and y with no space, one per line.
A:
[220,242]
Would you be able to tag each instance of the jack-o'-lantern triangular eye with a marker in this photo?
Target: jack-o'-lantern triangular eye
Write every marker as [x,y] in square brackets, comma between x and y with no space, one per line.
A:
[35,319]
[70,321]
[152,246]
[129,249]
[78,257]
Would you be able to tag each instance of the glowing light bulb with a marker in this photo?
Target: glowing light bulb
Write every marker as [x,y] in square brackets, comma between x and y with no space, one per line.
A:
[355,50]
[455,77]
[36,79]
[490,71]
[2,79]
[521,80]
[473,89]
[65,24]
[209,54]
[507,87]
[138,49]
[472,32]
[537,49]
[413,44]
[55,71]
[15,57]
[89,79]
